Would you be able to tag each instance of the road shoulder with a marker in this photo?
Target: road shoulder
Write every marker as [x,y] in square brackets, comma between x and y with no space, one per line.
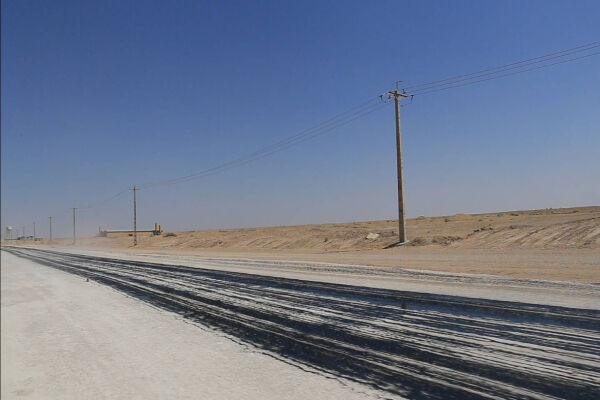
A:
[63,337]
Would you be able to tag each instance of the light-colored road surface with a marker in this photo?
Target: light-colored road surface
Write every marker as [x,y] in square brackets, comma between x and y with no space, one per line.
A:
[566,294]
[65,338]
[405,344]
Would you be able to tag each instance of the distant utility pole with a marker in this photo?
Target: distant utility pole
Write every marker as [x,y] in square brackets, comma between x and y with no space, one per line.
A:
[74,224]
[135,189]
[50,240]
[401,218]
[34,231]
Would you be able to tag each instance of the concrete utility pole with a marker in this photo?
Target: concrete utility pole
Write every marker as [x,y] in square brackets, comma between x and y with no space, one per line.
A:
[401,219]
[74,224]
[50,240]
[34,231]
[134,216]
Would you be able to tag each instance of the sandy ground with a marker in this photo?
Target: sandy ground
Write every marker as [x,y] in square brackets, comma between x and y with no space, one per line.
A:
[552,244]
[65,338]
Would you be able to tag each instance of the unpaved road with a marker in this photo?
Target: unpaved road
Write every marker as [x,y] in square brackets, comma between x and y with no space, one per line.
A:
[561,293]
[70,339]
[404,344]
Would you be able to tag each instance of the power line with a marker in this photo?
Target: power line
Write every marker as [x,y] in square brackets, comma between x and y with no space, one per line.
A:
[313,131]
[503,68]
[369,106]
[102,202]
[341,119]
[419,93]
[360,111]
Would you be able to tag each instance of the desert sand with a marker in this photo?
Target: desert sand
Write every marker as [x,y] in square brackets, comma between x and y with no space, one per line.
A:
[554,244]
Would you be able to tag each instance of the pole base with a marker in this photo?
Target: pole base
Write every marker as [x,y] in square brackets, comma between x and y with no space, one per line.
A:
[397,244]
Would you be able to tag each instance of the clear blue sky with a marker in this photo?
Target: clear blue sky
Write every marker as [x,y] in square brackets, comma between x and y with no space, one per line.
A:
[100,95]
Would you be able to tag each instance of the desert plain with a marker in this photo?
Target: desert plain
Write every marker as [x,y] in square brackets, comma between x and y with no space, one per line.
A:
[548,244]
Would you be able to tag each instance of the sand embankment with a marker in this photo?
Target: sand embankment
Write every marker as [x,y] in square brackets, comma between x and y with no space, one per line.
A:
[566,228]
[554,244]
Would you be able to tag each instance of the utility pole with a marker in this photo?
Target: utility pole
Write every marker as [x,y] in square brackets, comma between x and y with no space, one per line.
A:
[401,219]
[50,240]
[74,224]
[34,231]
[134,216]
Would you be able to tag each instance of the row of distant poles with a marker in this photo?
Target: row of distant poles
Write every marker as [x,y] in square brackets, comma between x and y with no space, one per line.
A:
[402,238]
[518,67]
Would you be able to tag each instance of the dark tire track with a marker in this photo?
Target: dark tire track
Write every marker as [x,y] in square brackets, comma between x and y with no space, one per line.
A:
[408,344]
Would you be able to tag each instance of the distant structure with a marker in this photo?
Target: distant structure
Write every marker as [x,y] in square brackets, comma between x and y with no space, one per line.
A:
[157,231]
[30,237]
[9,235]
